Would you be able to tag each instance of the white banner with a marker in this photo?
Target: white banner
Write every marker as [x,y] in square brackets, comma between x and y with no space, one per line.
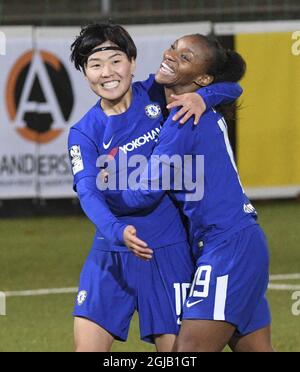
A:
[18,176]
[42,96]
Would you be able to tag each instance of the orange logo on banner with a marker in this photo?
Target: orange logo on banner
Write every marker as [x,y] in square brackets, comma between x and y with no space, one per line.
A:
[39,96]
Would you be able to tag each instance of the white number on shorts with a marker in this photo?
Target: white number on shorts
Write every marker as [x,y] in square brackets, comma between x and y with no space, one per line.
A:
[206,269]
[181,291]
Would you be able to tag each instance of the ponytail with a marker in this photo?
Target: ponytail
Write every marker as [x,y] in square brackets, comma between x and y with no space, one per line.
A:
[223,65]
[233,69]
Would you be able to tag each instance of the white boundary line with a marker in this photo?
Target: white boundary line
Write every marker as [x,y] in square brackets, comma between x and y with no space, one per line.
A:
[54,291]
[284,287]
[41,292]
[284,276]
[48,291]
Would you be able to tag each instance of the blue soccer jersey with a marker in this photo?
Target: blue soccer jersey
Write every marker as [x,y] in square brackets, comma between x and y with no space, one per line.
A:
[220,207]
[134,132]
[231,277]
[115,283]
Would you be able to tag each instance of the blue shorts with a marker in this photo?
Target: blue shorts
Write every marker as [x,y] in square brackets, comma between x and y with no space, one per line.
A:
[231,281]
[115,284]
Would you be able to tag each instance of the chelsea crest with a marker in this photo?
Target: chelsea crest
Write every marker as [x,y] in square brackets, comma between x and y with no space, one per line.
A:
[153,111]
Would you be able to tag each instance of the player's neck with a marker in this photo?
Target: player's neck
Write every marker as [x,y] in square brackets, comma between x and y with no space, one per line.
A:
[118,106]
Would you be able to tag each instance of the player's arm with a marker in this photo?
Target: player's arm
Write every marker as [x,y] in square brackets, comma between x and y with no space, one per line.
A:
[95,207]
[142,196]
[83,155]
[195,104]
[141,199]
[145,197]
[172,141]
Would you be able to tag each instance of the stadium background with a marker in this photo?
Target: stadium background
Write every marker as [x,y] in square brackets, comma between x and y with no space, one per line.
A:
[38,251]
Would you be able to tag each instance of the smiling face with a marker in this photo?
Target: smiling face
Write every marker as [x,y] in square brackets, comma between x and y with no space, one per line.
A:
[184,65]
[109,73]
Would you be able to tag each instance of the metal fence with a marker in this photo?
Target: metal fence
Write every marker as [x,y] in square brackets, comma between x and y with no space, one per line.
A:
[76,12]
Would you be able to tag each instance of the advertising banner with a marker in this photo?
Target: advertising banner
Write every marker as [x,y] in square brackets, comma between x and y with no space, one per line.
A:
[42,96]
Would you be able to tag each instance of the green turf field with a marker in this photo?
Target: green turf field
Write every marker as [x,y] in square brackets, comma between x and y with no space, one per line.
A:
[49,253]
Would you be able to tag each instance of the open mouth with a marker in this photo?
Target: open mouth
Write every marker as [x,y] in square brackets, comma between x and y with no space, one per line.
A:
[166,70]
[110,84]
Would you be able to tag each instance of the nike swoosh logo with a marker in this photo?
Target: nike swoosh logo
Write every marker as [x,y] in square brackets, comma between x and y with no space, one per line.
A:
[106,146]
[190,304]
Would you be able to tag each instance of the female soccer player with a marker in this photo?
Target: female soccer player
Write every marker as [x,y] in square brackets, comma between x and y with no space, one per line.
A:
[226,303]
[125,121]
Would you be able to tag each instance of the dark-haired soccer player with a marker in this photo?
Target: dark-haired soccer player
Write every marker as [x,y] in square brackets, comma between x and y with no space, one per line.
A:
[227,301]
[126,121]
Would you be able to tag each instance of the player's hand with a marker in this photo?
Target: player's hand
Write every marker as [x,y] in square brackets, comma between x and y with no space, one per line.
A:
[192,104]
[137,246]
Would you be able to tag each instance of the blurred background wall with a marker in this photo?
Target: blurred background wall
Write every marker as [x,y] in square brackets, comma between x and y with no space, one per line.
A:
[75,12]
[42,95]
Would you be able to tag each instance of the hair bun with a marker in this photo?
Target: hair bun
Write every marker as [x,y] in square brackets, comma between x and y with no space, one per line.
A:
[235,65]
